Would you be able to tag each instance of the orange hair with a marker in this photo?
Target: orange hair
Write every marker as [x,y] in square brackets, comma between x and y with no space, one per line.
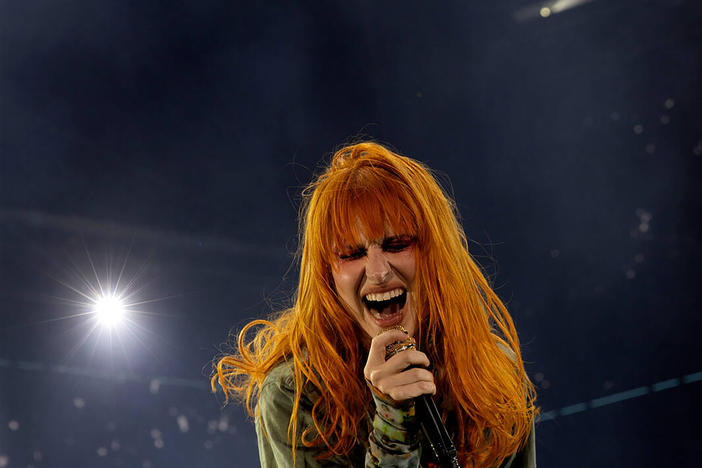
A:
[463,326]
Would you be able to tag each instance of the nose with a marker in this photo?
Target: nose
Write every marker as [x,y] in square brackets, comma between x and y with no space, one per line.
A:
[378,269]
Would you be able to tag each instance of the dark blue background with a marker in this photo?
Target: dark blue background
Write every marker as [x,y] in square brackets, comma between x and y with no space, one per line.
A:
[173,139]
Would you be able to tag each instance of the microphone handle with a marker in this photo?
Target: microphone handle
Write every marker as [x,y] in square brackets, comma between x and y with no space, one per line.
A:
[428,414]
[435,432]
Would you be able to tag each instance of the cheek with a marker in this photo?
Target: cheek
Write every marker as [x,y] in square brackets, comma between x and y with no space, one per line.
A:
[345,277]
[407,265]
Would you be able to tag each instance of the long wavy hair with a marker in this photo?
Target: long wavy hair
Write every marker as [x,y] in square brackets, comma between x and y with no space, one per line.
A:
[462,326]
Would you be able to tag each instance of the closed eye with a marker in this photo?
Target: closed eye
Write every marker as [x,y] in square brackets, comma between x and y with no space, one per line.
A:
[398,243]
[352,255]
[393,244]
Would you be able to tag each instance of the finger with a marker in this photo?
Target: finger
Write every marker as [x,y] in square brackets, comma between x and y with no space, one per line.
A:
[407,377]
[405,359]
[405,392]
[386,378]
[376,354]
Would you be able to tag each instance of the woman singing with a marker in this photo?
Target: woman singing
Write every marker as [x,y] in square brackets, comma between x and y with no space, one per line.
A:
[384,267]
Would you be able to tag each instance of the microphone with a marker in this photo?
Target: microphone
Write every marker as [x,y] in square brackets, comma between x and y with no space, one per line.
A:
[428,416]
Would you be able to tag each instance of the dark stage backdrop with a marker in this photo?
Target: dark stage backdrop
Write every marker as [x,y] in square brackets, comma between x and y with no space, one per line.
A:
[160,148]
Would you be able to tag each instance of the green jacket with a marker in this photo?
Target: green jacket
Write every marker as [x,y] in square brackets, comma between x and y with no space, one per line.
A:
[275,450]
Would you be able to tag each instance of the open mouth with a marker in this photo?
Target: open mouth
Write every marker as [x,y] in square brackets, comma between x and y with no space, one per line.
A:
[386,307]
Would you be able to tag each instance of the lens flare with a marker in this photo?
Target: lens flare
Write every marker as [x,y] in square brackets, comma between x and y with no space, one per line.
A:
[109,310]
[106,303]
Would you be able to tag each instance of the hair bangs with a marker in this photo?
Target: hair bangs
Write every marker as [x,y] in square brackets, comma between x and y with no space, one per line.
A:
[366,203]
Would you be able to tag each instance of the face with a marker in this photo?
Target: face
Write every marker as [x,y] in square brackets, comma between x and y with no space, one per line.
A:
[375,280]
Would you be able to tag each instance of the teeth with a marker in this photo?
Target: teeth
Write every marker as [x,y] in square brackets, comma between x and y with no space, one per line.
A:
[384,296]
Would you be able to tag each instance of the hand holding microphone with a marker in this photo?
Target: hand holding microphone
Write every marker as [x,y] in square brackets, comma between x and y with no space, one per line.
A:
[396,369]
[387,369]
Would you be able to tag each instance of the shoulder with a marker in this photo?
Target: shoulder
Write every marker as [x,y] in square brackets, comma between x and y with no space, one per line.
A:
[275,405]
[278,389]
[281,376]
[525,457]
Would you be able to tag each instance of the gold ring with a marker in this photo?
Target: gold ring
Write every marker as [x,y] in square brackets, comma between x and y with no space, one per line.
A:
[397,347]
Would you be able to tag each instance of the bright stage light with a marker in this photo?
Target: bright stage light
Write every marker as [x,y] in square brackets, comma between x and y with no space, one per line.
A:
[109,310]
[107,304]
